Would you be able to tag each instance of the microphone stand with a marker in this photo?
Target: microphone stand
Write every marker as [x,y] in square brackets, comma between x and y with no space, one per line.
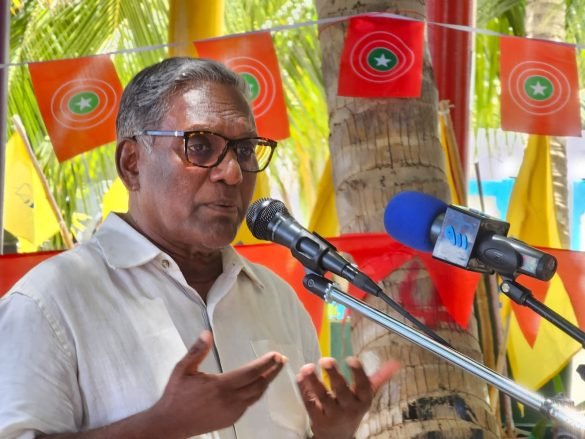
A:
[550,408]
[523,296]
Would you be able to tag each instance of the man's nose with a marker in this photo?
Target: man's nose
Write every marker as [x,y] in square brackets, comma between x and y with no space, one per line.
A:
[228,169]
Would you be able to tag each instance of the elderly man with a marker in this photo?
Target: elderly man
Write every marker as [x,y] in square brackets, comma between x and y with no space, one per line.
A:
[113,339]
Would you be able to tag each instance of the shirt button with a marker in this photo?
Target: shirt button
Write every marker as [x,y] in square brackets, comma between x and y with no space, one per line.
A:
[165,263]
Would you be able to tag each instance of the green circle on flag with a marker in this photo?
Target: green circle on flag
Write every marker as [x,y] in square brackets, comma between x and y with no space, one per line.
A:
[253,84]
[83,103]
[382,59]
[538,87]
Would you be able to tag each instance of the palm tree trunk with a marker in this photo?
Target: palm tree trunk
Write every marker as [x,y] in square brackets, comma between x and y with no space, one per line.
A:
[546,19]
[380,147]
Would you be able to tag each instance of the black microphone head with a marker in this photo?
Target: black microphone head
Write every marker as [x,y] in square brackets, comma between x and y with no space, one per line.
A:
[259,215]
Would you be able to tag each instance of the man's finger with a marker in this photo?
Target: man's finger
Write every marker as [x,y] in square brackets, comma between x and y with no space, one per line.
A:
[314,390]
[189,364]
[310,399]
[270,374]
[339,386]
[364,386]
[253,391]
[382,375]
[249,373]
[361,382]
[311,379]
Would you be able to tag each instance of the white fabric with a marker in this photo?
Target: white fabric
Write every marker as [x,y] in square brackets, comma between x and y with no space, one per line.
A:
[91,336]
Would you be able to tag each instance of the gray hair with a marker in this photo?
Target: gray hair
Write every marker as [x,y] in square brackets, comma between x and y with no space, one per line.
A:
[146,98]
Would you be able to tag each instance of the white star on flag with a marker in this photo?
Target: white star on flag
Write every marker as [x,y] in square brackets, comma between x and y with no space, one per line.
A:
[382,60]
[83,103]
[538,89]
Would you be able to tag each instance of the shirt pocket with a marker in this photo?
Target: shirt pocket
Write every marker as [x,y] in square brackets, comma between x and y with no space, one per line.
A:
[157,345]
[283,398]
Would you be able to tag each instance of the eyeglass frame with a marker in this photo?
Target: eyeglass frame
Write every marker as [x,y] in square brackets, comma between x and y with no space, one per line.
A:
[229,143]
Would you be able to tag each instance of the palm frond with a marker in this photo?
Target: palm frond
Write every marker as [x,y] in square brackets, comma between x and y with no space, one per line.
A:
[513,10]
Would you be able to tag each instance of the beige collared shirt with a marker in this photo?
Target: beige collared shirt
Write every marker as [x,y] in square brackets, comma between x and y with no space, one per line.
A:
[91,336]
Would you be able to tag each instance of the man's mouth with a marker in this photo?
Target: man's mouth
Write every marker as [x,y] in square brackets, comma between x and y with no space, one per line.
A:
[223,206]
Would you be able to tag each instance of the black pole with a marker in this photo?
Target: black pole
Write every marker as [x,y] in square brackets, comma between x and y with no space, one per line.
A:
[523,296]
[4,60]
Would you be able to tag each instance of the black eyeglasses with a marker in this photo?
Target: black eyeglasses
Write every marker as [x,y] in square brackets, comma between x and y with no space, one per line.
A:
[206,149]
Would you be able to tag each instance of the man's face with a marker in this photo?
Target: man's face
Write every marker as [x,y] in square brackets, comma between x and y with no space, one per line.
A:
[183,207]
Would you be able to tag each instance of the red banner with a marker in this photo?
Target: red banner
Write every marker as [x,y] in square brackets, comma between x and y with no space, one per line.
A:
[78,99]
[382,57]
[14,266]
[376,254]
[540,87]
[254,58]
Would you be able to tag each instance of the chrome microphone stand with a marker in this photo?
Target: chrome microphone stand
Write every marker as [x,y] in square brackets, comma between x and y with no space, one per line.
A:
[329,292]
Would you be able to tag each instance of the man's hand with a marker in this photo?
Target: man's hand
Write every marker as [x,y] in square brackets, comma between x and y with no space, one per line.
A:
[195,403]
[338,413]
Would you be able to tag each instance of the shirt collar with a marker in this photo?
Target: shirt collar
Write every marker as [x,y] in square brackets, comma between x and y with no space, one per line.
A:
[125,247]
[233,263]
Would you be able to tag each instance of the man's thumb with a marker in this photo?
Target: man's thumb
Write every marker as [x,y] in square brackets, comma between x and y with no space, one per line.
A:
[189,364]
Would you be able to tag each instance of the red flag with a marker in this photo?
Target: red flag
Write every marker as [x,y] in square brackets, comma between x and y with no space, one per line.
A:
[382,57]
[254,58]
[528,320]
[571,269]
[378,255]
[540,87]
[78,99]
[14,266]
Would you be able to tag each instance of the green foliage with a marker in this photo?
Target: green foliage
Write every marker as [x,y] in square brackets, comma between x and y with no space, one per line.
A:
[486,97]
[576,33]
[511,11]
[44,31]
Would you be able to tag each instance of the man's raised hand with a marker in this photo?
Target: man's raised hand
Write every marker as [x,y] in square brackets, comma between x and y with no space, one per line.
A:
[337,413]
[195,402]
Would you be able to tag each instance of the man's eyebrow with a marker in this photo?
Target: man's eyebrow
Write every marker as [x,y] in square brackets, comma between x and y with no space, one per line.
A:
[198,127]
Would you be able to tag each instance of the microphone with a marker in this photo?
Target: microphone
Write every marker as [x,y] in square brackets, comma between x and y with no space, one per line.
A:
[463,237]
[270,220]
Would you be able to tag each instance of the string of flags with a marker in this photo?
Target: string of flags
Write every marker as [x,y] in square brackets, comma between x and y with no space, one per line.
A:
[382,57]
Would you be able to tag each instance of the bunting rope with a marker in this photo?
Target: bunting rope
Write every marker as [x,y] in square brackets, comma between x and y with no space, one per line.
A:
[287,27]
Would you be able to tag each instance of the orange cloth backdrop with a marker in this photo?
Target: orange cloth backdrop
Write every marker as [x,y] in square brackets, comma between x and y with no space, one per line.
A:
[377,255]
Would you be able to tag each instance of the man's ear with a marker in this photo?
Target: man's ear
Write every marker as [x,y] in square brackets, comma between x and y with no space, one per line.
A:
[127,154]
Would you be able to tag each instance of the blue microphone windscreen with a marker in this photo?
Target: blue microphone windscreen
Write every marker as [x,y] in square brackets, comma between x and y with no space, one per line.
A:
[409,216]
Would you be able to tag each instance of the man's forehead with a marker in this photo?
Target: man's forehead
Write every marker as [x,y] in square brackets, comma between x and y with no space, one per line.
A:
[209,92]
[212,104]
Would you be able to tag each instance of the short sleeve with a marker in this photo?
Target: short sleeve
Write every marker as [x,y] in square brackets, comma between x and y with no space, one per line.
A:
[38,384]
